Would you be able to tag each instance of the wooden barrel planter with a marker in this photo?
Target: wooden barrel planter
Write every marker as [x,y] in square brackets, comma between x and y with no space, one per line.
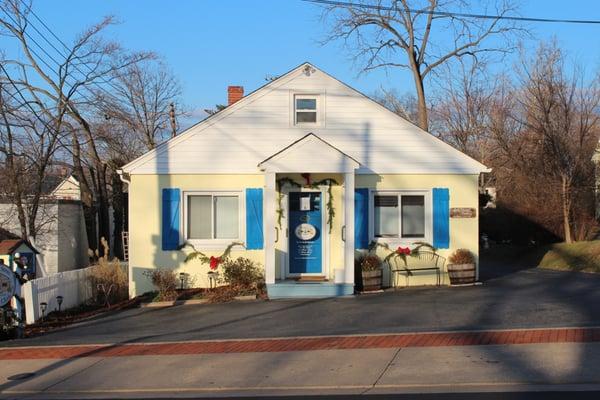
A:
[461,274]
[371,280]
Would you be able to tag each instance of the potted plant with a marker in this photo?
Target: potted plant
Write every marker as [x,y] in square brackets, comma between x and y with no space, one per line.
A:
[461,267]
[371,272]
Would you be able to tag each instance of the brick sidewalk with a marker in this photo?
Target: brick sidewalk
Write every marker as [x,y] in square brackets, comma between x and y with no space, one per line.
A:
[478,338]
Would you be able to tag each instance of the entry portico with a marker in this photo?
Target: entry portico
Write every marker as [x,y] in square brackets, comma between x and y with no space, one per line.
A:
[308,155]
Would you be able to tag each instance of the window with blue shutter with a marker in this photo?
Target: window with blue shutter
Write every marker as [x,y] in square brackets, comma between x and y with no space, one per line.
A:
[361,218]
[254,219]
[441,218]
[171,212]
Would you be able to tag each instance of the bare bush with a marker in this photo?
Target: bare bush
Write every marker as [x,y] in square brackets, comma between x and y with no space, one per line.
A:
[109,279]
[165,281]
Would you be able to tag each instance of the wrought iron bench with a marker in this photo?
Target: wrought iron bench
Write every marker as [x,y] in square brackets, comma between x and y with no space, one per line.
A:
[424,261]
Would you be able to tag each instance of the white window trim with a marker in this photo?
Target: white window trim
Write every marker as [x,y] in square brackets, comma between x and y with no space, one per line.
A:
[214,244]
[400,241]
[320,109]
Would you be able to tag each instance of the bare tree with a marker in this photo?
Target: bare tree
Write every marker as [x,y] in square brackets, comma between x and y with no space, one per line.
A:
[546,128]
[464,97]
[403,105]
[419,35]
[562,116]
[30,136]
[141,100]
[67,84]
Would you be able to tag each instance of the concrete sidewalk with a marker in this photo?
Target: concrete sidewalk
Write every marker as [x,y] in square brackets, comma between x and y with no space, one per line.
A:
[548,366]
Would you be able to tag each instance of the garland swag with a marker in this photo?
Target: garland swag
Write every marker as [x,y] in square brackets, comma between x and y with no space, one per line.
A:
[212,261]
[281,182]
[401,252]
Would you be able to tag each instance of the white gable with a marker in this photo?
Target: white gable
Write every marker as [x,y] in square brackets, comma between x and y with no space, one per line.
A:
[68,189]
[238,138]
[323,158]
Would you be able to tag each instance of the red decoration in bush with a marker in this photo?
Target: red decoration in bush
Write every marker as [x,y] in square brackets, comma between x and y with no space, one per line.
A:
[214,262]
[403,250]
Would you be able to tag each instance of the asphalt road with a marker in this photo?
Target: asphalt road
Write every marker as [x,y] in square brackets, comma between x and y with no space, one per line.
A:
[523,299]
[511,298]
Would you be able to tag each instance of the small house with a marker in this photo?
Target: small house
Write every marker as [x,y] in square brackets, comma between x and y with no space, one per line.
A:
[306,172]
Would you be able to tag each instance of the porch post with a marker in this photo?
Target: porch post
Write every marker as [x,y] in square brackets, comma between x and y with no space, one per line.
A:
[269,226]
[349,222]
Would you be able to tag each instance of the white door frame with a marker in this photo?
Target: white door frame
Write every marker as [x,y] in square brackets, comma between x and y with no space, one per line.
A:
[285,264]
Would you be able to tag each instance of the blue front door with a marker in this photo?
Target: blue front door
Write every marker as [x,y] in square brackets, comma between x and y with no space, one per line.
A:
[305,233]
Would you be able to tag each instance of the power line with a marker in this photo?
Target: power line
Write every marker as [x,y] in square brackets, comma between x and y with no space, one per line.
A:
[30,10]
[27,103]
[65,56]
[42,49]
[63,45]
[455,14]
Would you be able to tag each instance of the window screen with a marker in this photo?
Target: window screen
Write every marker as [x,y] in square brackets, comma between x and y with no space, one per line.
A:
[386,216]
[413,216]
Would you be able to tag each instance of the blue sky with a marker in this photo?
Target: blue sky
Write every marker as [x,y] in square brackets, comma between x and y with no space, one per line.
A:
[210,44]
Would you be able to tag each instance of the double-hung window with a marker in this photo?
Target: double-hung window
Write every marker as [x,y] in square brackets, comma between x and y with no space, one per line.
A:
[213,216]
[401,215]
[306,109]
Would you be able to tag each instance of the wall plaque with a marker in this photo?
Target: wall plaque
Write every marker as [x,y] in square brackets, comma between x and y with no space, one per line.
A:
[463,212]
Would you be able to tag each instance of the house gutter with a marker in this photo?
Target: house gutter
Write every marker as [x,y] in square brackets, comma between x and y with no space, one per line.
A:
[124,176]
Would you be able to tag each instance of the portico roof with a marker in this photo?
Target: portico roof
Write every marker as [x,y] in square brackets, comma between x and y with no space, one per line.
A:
[309,154]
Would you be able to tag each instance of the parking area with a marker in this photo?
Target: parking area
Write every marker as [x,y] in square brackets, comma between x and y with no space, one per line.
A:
[510,298]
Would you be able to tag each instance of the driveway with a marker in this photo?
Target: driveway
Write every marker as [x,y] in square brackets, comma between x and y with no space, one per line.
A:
[510,298]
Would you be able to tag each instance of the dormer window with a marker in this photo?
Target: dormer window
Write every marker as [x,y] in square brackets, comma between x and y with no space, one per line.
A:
[306,109]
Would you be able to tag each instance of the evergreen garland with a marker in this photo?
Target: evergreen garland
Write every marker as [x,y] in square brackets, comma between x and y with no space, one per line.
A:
[204,259]
[314,185]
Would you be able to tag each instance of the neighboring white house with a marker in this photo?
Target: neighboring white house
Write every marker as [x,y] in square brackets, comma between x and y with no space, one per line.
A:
[62,237]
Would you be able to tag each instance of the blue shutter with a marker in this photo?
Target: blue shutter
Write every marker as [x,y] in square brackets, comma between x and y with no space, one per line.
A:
[254,219]
[171,202]
[441,218]
[361,218]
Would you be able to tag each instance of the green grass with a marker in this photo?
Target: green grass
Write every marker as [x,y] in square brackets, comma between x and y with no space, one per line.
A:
[579,256]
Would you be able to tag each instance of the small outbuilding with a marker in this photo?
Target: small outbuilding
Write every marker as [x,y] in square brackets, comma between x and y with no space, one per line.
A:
[13,251]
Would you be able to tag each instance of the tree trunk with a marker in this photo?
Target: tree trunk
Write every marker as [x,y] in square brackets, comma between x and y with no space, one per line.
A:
[566,206]
[421,101]
[103,206]
[118,204]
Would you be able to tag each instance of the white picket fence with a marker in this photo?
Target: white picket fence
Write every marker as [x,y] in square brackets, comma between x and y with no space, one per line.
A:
[74,286]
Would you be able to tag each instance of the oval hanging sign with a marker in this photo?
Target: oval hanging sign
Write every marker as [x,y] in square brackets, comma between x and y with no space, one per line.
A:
[305,232]
[8,285]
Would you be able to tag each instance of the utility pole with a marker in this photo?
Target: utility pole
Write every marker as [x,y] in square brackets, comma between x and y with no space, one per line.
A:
[173,122]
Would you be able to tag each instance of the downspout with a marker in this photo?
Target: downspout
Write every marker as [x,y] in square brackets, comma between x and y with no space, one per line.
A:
[126,179]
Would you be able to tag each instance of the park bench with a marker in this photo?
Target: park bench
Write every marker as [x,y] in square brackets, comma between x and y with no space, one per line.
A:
[423,261]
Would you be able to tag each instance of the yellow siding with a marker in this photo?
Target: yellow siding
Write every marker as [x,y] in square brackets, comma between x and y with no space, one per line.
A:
[145,220]
[145,225]
[464,232]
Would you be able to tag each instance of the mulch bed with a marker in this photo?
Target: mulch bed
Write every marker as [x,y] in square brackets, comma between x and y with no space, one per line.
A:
[220,294]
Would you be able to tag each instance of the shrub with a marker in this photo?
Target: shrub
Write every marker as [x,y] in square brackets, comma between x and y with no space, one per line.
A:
[108,278]
[369,262]
[461,256]
[165,280]
[242,272]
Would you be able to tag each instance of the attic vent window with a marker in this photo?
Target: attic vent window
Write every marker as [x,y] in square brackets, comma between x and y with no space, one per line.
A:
[306,109]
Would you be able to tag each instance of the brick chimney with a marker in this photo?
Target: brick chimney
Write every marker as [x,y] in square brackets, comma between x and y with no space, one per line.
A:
[234,94]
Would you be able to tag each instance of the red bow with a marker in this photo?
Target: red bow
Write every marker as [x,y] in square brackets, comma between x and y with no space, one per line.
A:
[214,262]
[403,250]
